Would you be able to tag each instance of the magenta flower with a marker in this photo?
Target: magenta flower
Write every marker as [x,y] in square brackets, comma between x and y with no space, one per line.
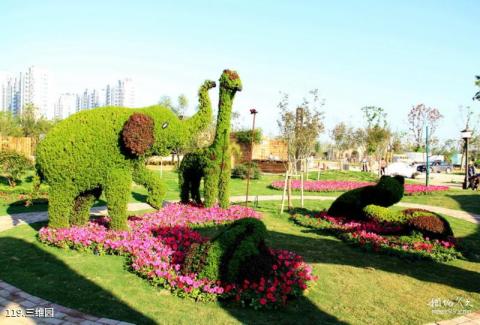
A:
[157,244]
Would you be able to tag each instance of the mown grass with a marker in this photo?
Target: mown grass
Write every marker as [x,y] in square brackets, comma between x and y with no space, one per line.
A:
[453,199]
[353,286]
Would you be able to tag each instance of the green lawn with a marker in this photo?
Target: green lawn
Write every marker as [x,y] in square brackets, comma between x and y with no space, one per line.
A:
[352,287]
[454,199]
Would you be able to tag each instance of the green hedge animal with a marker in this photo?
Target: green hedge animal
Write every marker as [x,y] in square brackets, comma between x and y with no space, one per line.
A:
[213,163]
[103,150]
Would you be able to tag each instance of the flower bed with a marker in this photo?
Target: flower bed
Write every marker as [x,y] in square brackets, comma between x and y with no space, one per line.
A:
[332,186]
[387,238]
[156,248]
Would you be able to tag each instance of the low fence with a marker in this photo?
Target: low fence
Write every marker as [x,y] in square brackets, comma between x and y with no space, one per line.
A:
[22,145]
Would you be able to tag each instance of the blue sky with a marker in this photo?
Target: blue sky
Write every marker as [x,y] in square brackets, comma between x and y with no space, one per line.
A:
[392,54]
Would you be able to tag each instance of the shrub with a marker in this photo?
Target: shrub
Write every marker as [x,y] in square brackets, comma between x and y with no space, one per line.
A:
[215,166]
[81,153]
[388,191]
[226,256]
[241,171]
[381,214]
[13,166]
[245,136]
[428,223]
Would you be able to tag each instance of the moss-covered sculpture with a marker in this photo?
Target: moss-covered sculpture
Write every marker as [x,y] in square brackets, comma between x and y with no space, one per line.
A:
[237,253]
[104,149]
[213,164]
[387,192]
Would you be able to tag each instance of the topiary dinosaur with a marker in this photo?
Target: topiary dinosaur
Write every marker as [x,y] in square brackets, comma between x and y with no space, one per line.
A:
[212,163]
[104,149]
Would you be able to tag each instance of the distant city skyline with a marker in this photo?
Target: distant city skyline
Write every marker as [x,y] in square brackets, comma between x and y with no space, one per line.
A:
[388,54]
[35,86]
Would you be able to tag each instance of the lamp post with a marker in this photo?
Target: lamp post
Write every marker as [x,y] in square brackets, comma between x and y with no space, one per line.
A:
[466,134]
[427,153]
[253,112]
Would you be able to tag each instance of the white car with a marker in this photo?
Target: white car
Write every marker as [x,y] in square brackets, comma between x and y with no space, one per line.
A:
[402,169]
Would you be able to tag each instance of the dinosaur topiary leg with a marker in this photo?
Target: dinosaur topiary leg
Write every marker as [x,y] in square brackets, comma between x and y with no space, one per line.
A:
[60,204]
[223,184]
[210,185]
[152,182]
[117,192]
[184,184]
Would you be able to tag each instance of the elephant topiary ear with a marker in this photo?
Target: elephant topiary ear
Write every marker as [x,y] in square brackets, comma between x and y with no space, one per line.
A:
[138,134]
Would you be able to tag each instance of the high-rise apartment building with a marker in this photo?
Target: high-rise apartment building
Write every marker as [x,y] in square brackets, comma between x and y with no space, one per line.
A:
[122,93]
[88,99]
[32,87]
[37,91]
[66,105]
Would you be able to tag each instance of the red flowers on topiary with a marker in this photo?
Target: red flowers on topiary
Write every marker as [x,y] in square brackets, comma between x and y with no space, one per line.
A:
[428,223]
[137,134]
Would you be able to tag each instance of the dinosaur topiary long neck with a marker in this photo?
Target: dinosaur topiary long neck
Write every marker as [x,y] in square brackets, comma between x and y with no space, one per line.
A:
[204,115]
[222,132]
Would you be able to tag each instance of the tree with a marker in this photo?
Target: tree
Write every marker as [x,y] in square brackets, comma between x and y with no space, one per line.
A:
[182,104]
[300,128]
[448,148]
[419,117]
[179,110]
[166,101]
[10,125]
[477,82]
[32,125]
[344,137]
[376,135]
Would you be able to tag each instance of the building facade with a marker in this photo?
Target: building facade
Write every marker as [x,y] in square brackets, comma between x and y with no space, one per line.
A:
[33,87]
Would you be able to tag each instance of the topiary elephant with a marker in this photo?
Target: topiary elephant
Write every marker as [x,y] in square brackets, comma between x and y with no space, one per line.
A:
[104,149]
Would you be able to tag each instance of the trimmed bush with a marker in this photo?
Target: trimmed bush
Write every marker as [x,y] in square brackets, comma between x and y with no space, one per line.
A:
[214,162]
[241,171]
[13,166]
[245,136]
[428,223]
[84,152]
[381,214]
[117,192]
[388,191]
[237,253]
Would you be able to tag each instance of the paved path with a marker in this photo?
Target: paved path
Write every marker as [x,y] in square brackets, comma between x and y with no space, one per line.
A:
[14,299]
[35,310]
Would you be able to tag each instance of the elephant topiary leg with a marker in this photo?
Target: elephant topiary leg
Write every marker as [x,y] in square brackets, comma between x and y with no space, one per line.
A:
[117,192]
[81,208]
[152,182]
[195,189]
[60,205]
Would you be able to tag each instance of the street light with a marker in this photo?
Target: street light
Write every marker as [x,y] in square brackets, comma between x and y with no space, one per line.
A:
[253,112]
[466,134]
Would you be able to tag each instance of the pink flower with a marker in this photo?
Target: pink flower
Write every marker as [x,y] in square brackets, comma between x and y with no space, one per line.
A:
[157,244]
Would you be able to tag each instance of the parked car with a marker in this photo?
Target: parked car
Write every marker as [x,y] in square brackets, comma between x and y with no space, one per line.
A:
[402,169]
[442,166]
[436,166]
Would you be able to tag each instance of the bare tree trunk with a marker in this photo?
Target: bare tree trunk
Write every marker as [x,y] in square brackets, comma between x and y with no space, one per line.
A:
[289,191]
